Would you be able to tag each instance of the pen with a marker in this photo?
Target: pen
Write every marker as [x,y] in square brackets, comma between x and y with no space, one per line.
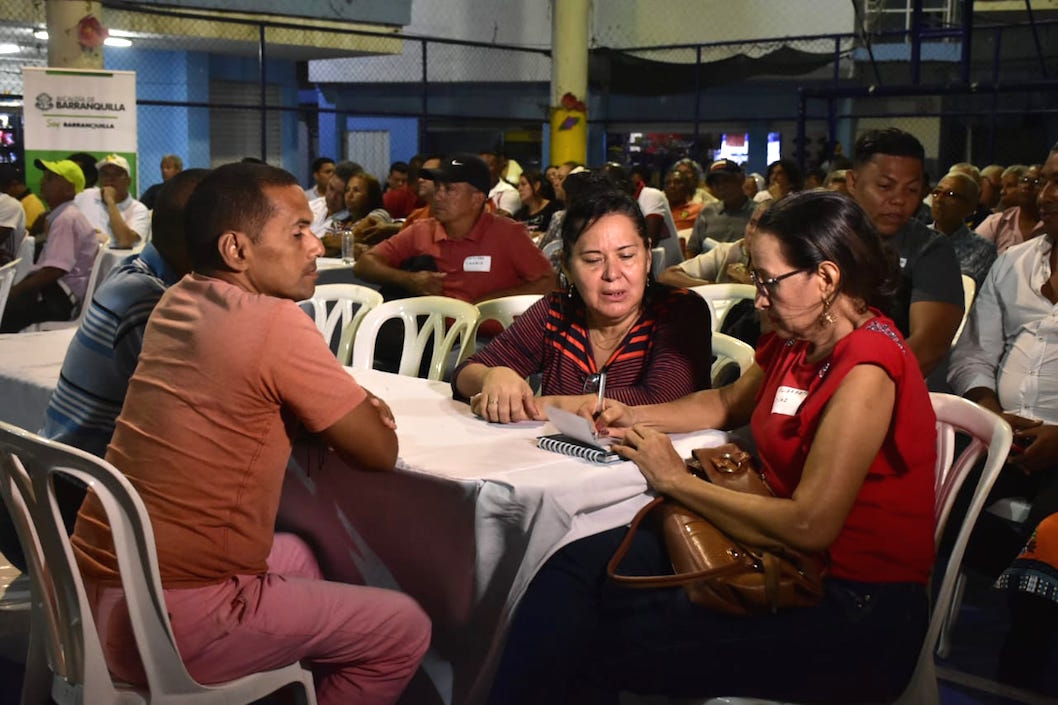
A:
[602,393]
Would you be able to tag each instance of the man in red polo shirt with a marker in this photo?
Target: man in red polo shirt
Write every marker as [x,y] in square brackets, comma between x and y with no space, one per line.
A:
[462,252]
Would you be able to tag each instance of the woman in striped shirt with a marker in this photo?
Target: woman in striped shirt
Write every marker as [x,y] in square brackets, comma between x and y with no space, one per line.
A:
[652,341]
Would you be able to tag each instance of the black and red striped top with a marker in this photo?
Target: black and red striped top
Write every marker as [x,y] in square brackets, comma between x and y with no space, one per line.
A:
[664,356]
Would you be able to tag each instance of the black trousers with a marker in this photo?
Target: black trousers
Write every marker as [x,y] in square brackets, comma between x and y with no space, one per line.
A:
[49,303]
[579,637]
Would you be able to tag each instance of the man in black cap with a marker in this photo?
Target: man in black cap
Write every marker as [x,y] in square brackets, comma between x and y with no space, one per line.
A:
[726,220]
[461,252]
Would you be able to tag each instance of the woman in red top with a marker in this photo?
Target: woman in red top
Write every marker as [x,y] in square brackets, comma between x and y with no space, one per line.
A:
[845,433]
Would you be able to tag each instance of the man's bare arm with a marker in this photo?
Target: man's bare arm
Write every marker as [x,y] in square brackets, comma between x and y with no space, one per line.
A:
[544,285]
[125,236]
[37,280]
[363,439]
[675,276]
[932,326]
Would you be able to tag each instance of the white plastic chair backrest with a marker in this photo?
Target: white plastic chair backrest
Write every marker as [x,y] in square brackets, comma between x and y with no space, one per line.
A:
[721,297]
[657,262]
[969,288]
[436,309]
[727,348]
[25,253]
[95,278]
[989,434]
[552,248]
[28,464]
[7,278]
[343,297]
[504,309]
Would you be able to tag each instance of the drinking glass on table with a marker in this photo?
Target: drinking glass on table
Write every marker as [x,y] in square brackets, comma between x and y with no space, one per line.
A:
[348,245]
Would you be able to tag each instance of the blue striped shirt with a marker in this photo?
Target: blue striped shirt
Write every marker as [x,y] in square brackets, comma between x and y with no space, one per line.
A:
[103,354]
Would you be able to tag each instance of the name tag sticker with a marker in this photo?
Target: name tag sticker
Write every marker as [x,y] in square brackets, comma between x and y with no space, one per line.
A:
[478,263]
[903,262]
[788,400]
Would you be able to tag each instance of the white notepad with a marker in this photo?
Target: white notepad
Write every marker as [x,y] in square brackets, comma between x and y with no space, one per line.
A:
[577,438]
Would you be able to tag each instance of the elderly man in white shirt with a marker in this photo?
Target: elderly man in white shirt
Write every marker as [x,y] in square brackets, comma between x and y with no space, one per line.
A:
[1007,357]
[118,217]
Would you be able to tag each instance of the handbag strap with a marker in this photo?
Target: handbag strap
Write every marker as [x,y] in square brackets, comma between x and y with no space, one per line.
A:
[646,581]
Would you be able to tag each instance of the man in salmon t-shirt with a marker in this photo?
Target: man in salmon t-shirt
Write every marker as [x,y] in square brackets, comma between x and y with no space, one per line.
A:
[229,371]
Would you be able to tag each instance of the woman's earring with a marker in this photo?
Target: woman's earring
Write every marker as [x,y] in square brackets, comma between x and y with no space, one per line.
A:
[827,318]
[569,291]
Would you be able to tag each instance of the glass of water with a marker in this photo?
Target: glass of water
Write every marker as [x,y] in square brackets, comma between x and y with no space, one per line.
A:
[348,242]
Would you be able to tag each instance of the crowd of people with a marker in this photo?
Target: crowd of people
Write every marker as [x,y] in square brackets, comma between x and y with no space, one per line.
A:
[859,280]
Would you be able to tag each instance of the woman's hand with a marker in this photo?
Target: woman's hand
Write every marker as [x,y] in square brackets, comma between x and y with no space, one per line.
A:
[614,418]
[653,453]
[505,397]
[738,273]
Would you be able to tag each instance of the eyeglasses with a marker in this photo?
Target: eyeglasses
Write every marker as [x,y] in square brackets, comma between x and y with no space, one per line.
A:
[1030,181]
[592,382]
[937,193]
[767,287]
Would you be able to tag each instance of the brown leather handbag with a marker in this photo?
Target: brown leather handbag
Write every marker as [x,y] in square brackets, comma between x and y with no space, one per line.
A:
[714,569]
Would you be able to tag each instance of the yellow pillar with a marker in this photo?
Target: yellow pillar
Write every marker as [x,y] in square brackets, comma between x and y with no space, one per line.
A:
[66,34]
[569,80]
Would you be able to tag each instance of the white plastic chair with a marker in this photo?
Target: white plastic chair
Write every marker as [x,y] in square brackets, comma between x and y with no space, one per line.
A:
[658,262]
[7,278]
[436,309]
[504,309]
[721,297]
[552,248]
[25,253]
[989,434]
[969,288]
[728,349]
[63,635]
[343,297]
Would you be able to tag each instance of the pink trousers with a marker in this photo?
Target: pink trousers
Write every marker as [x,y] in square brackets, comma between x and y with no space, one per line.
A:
[363,644]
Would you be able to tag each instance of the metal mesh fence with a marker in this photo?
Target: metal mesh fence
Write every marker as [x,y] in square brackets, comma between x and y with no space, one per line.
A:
[214,88]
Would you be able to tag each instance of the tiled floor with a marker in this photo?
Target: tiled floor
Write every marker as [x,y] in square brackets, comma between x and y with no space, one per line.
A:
[965,676]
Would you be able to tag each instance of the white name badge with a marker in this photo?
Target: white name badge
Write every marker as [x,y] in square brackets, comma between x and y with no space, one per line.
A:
[788,400]
[478,263]
[903,262]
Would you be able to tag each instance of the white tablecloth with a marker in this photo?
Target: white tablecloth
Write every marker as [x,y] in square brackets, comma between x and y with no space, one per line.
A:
[463,526]
[29,371]
[334,270]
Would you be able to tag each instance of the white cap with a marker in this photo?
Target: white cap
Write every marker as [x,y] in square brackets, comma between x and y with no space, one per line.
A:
[116,160]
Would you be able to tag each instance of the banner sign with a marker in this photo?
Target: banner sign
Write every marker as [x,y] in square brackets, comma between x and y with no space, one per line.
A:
[70,110]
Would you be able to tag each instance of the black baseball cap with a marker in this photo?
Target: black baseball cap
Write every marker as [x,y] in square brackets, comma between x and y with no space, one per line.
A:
[467,168]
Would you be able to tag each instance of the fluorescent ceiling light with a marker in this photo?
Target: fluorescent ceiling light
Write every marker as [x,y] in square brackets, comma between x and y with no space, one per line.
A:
[117,37]
[7,48]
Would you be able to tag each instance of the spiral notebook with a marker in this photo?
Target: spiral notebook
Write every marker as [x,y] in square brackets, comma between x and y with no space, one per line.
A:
[577,438]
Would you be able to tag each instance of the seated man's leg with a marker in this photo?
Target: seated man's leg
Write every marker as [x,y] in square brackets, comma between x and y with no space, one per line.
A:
[368,642]
[50,303]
